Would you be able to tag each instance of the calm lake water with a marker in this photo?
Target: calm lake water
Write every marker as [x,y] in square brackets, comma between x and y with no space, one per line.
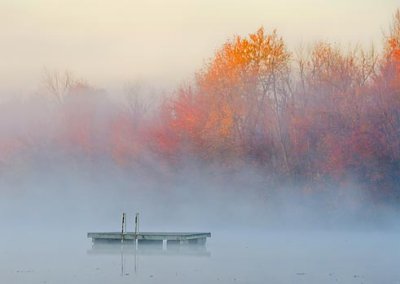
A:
[229,257]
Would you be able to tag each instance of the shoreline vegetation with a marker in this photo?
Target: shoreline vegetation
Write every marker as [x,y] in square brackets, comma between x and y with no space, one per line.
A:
[317,117]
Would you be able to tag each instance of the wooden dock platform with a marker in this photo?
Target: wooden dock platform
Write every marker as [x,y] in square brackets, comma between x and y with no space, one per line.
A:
[151,238]
[177,238]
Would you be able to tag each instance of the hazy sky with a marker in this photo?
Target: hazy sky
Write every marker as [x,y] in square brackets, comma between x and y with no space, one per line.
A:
[111,42]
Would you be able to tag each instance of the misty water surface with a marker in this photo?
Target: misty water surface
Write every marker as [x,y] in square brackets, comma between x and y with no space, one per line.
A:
[256,237]
[237,256]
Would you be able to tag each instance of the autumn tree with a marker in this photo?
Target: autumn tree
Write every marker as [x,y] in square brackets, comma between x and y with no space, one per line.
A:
[236,108]
[330,99]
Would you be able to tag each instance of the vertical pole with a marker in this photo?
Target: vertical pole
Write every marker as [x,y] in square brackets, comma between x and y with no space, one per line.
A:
[125,223]
[136,244]
[123,227]
[136,225]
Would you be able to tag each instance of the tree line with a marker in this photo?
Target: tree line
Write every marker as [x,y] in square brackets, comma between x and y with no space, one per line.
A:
[321,114]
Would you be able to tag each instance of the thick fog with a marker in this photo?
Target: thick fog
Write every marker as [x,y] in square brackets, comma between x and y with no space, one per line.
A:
[262,230]
[289,157]
[68,197]
[259,232]
[60,170]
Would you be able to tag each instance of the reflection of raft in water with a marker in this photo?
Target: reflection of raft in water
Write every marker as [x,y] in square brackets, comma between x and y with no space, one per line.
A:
[131,249]
[149,238]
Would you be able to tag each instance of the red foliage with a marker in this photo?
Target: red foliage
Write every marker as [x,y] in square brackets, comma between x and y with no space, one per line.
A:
[339,116]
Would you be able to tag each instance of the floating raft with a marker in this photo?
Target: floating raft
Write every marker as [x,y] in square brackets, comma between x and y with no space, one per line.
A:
[150,237]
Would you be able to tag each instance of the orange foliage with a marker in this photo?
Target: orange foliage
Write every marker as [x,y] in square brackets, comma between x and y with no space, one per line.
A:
[238,86]
[339,115]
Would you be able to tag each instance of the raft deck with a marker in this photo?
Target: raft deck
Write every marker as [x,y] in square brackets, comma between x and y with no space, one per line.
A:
[150,237]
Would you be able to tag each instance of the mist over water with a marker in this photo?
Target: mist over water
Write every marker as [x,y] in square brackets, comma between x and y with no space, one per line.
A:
[239,258]
[291,162]
[93,197]
[260,233]
[54,191]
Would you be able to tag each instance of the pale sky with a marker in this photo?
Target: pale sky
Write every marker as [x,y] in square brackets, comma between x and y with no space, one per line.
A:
[112,42]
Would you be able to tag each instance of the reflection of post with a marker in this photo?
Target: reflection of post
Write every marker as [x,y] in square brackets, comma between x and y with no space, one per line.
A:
[135,260]
[122,261]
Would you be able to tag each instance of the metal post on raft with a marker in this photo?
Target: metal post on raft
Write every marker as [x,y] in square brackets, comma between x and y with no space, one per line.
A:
[123,227]
[125,231]
[136,225]
[136,244]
